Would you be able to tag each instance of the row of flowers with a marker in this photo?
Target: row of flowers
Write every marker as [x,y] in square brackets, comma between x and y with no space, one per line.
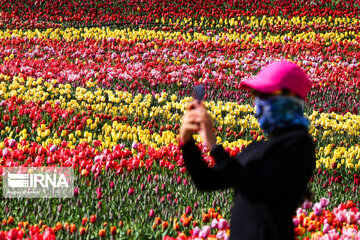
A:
[175,65]
[252,35]
[18,14]
[104,125]
[312,221]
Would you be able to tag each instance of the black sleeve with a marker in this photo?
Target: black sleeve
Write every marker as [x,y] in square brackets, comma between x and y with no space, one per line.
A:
[288,165]
[205,178]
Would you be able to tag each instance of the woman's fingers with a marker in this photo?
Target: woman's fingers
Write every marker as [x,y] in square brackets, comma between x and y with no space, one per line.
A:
[191,127]
[191,116]
[193,105]
[196,119]
[188,127]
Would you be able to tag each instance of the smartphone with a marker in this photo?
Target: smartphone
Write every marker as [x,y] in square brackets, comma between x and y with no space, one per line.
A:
[199,92]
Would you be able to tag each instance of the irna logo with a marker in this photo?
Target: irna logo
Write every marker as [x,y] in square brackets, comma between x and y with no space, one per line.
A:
[38,182]
[18,180]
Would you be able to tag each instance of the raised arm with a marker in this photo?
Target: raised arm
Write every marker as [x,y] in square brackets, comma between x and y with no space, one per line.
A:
[196,119]
[205,178]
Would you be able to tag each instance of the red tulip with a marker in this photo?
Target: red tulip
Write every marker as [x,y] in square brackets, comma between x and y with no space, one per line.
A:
[93,219]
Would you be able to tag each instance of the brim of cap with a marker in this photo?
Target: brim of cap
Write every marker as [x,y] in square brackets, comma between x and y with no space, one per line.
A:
[260,85]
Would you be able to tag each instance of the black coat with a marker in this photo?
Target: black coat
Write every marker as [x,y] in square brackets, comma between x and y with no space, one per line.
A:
[269,179]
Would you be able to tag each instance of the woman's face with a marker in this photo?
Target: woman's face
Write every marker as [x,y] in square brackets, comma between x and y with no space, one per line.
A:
[277,110]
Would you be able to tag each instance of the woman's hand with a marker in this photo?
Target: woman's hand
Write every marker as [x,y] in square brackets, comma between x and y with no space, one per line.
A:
[189,124]
[196,119]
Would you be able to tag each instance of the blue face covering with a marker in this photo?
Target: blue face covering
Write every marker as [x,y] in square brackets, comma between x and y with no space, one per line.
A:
[279,112]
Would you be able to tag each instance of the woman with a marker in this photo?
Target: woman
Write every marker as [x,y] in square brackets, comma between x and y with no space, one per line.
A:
[269,177]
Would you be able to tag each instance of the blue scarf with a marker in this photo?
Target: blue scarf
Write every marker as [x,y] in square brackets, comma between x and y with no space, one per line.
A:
[279,112]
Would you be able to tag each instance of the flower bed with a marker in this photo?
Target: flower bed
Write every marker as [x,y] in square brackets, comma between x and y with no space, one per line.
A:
[85,86]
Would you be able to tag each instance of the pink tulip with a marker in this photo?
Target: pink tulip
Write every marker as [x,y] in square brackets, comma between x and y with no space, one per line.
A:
[223,224]
[221,235]
[196,231]
[5,152]
[12,143]
[300,210]
[341,216]
[206,231]
[151,213]
[296,222]
[53,148]
[131,191]
[135,145]
[326,228]
[214,223]
[317,209]
[307,204]
[169,197]
[324,202]
[76,191]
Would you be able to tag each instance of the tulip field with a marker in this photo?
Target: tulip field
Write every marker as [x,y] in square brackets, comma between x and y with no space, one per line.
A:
[101,86]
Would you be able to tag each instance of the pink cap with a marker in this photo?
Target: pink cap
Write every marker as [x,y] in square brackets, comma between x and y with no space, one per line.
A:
[280,75]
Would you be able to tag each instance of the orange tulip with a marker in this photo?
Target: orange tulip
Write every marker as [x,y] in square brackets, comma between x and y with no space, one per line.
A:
[25,224]
[176,227]
[299,231]
[66,225]
[102,233]
[59,226]
[186,222]
[205,217]
[82,230]
[10,220]
[84,220]
[165,225]
[157,221]
[72,228]
[113,230]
